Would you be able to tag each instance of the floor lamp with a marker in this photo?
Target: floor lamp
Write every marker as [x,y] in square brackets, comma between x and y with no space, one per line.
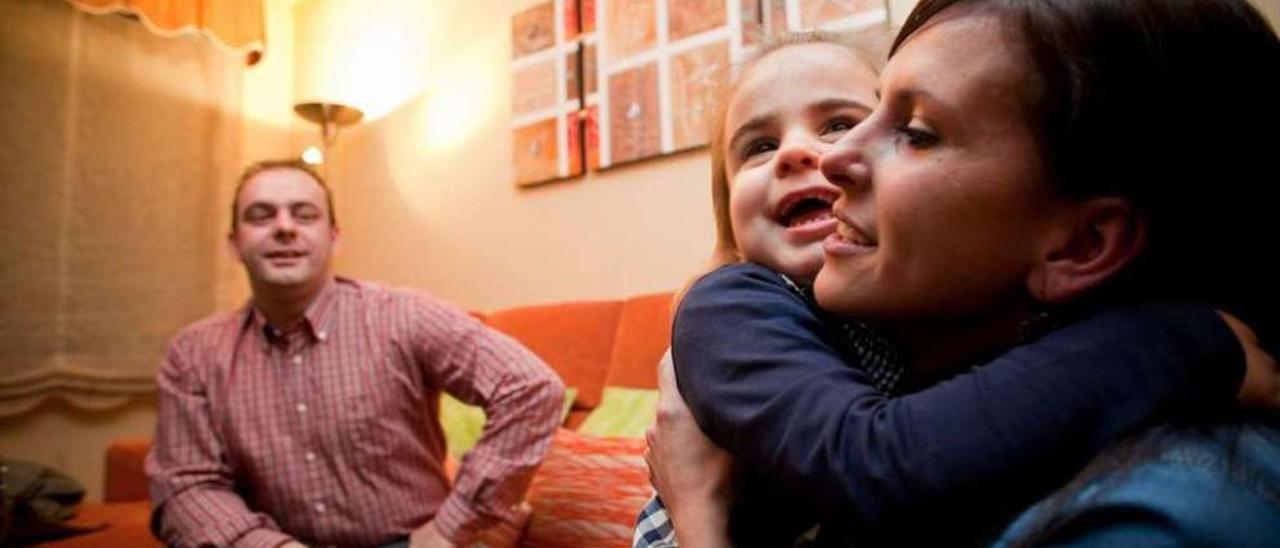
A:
[330,117]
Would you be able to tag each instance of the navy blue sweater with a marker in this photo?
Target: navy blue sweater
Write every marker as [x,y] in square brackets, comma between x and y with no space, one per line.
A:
[763,377]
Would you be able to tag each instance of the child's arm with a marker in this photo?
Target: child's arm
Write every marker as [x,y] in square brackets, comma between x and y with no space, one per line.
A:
[766,386]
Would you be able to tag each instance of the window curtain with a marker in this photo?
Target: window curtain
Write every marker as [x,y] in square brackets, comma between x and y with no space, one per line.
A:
[116,151]
[233,24]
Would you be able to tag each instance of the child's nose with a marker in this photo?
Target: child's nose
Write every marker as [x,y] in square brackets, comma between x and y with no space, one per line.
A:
[794,159]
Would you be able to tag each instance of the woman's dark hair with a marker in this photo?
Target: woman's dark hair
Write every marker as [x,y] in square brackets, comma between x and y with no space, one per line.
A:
[1173,105]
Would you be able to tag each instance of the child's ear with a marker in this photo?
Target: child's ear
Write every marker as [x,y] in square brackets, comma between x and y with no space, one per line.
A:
[1101,237]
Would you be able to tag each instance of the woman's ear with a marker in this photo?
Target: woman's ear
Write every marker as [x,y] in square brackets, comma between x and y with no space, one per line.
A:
[1100,237]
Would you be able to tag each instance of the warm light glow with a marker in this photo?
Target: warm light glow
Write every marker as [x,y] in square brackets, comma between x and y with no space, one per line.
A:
[369,55]
[313,156]
[454,112]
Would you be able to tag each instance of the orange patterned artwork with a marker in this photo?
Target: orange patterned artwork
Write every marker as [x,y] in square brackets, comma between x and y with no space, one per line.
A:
[816,12]
[533,29]
[690,17]
[584,140]
[696,77]
[589,68]
[631,27]
[633,114]
[598,83]
[587,10]
[536,155]
[533,88]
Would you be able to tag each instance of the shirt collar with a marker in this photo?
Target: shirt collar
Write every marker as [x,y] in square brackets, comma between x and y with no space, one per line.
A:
[315,321]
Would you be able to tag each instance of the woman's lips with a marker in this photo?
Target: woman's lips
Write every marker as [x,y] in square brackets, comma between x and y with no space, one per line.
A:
[847,240]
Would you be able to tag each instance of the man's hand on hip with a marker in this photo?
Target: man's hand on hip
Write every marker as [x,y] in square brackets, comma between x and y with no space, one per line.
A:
[428,536]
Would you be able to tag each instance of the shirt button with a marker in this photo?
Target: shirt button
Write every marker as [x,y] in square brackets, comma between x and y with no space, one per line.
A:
[311,457]
[322,335]
[297,359]
[320,507]
[302,408]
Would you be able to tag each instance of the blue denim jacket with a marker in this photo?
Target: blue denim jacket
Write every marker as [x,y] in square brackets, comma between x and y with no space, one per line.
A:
[1219,487]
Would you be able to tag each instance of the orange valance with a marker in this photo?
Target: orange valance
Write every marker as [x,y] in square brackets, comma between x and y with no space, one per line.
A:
[234,24]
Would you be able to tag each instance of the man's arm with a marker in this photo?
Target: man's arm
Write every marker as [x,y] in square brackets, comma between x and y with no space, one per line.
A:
[191,484]
[522,399]
[766,386]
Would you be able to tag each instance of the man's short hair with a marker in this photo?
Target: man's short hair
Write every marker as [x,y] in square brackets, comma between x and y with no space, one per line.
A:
[289,163]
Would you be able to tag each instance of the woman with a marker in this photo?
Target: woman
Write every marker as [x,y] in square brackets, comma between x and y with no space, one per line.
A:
[1037,160]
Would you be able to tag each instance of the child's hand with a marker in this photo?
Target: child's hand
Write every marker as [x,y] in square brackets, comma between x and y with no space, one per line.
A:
[1261,386]
[691,474]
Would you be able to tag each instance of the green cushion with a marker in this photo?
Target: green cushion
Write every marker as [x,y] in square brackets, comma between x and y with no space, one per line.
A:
[463,424]
[622,413]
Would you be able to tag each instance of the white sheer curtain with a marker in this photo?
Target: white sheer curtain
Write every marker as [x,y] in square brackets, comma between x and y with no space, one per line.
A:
[114,144]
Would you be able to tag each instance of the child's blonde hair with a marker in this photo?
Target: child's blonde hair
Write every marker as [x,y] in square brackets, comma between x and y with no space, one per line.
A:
[870,45]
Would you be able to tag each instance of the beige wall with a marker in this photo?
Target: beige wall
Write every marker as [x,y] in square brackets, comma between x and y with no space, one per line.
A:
[425,197]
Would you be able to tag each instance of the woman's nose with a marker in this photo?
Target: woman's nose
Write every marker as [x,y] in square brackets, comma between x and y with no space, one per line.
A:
[845,165]
[796,158]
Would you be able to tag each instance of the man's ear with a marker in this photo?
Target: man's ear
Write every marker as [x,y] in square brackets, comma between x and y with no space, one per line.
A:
[230,246]
[1099,238]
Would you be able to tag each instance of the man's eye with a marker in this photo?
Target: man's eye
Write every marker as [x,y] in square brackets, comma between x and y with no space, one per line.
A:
[307,213]
[257,214]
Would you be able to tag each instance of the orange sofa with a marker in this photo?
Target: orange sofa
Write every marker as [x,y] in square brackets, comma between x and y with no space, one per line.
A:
[590,344]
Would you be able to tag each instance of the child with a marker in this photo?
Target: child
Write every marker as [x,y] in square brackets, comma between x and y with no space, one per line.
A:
[773,209]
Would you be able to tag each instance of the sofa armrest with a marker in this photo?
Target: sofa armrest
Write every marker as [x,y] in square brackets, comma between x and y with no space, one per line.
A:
[126,477]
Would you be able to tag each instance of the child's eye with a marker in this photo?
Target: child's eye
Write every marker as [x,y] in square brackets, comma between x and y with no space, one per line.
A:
[836,127]
[758,146]
[917,137]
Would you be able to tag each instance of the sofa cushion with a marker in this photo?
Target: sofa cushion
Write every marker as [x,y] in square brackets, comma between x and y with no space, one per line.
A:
[575,339]
[463,424]
[125,479]
[128,524]
[623,413]
[587,492]
[644,333]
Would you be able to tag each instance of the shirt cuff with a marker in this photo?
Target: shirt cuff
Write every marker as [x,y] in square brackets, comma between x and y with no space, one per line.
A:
[262,538]
[460,523]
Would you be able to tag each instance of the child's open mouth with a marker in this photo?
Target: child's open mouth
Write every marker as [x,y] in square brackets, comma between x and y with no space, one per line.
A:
[806,207]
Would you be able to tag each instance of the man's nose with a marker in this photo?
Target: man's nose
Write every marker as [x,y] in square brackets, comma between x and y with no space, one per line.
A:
[284,225]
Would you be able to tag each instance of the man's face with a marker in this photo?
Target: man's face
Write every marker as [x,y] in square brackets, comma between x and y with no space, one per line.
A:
[283,235]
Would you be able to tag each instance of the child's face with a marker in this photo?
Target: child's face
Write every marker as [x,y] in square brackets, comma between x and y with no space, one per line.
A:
[789,108]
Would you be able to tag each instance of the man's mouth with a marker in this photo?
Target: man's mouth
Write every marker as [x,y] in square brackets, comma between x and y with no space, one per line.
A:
[285,254]
[805,207]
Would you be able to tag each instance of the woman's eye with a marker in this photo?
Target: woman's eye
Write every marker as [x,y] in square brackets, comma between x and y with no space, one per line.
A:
[916,137]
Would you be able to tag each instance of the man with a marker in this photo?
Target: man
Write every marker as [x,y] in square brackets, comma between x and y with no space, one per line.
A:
[310,414]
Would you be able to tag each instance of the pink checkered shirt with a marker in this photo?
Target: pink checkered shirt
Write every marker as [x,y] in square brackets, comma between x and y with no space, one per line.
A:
[330,434]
